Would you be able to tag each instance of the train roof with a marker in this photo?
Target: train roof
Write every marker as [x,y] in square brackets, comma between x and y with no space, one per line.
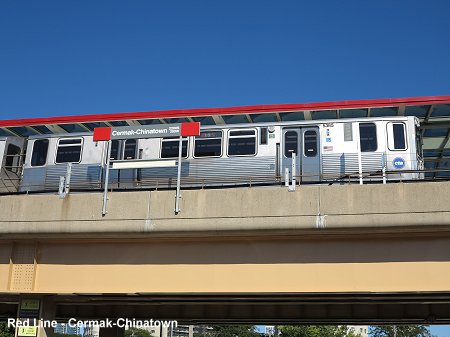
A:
[250,125]
[433,112]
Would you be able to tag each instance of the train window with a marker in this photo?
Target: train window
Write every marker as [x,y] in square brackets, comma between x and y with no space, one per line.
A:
[242,133]
[129,151]
[170,147]
[69,141]
[419,149]
[69,150]
[208,144]
[399,136]
[242,143]
[40,150]
[12,159]
[368,137]
[263,138]
[290,143]
[115,150]
[396,136]
[310,143]
[348,132]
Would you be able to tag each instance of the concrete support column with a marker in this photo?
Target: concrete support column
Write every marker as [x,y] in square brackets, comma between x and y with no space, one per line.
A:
[48,309]
[163,332]
[112,332]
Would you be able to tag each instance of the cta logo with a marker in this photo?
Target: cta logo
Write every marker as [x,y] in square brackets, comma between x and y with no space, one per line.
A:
[398,163]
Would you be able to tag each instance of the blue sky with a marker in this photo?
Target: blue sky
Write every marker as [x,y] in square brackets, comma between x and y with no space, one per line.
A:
[67,57]
[80,57]
[440,330]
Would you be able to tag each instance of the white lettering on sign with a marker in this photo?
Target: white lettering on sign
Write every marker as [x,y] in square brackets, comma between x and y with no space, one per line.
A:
[147,131]
[141,132]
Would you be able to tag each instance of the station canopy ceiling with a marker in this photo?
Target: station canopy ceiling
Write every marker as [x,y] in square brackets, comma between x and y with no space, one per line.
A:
[433,112]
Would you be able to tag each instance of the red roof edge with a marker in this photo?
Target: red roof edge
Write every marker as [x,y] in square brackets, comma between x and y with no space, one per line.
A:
[348,104]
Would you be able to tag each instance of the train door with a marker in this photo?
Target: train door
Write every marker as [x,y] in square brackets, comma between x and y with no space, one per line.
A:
[124,150]
[304,142]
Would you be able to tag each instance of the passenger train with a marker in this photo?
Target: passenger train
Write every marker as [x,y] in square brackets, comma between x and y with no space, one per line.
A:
[226,155]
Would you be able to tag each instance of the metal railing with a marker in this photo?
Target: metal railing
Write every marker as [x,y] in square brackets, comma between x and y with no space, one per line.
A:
[11,182]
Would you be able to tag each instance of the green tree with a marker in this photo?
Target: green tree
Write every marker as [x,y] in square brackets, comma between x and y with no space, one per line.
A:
[135,332]
[315,331]
[233,331]
[400,331]
[5,331]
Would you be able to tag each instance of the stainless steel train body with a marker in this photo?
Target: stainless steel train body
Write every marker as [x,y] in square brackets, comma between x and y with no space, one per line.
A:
[226,155]
[47,158]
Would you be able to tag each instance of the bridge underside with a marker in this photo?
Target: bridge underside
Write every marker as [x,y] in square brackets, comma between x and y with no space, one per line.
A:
[367,308]
[331,279]
[323,254]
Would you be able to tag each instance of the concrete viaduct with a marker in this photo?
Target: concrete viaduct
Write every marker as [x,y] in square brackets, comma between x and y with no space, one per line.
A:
[341,254]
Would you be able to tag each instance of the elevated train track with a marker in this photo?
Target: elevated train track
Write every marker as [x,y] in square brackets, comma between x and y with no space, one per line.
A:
[322,254]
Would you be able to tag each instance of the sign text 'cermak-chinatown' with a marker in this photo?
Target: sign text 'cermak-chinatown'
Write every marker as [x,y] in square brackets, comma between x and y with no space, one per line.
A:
[147,131]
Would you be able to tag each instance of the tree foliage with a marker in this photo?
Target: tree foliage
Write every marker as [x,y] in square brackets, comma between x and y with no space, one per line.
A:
[315,331]
[400,331]
[233,331]
[135,332]
[5,331]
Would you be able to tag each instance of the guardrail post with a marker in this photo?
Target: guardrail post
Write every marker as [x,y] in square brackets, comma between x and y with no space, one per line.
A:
[286,177]
[360,173]
[294,173]
[64,182]
[105,192]
[177,195]
[68,175]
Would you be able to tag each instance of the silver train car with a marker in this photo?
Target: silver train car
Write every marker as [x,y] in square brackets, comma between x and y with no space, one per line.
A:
[325,150]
